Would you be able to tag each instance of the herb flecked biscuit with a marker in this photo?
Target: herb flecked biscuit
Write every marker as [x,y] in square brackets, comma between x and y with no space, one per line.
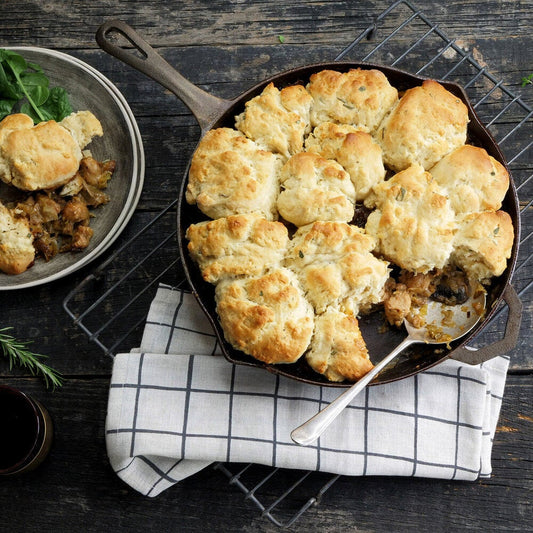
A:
[335,266]
[236,245]
[414,223]
[266,317]
[475,180]
[16,242]
[277,120]
[354,149]
[338,350]
[230,174]
[44,156]
[314,188]
[427,123]
[483,244]
[360,97]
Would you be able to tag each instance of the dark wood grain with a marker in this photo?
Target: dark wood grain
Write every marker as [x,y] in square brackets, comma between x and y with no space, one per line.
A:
[225,47]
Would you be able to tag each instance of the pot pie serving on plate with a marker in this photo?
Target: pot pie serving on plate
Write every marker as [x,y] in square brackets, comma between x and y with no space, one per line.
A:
[337,197]
[120,145]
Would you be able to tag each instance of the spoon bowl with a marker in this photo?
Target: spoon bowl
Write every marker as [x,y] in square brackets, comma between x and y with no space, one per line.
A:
[437,323]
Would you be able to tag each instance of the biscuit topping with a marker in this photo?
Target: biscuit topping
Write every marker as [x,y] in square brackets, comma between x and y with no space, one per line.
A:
[343,152]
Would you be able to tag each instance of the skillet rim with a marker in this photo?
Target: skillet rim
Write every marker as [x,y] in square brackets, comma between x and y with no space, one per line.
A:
[476,129]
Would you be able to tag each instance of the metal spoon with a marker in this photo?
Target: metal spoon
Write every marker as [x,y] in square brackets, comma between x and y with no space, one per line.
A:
[443,324]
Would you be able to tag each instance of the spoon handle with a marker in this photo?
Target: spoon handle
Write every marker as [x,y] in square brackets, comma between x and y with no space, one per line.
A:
[309,431]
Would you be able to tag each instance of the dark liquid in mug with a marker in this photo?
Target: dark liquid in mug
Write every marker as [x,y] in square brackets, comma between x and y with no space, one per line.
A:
[18,429]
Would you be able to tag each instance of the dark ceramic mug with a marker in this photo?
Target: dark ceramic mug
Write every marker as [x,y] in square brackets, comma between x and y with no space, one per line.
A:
[25,432]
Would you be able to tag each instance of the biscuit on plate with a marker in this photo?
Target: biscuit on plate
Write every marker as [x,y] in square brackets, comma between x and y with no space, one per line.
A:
[483,244]
[414,222]
[360,97]
[354,150]
[335,265]
[475,180]
[83,126]
[42,156]
[236,245]
[16,242]
[314,188]
[338,350]
[277,120]
[230,175]
[427,123]
[266,317]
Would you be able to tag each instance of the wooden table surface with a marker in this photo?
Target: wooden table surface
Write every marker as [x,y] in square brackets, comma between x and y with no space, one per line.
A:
[225,46]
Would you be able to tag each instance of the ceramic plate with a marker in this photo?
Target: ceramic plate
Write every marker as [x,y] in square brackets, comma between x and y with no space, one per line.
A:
[88,89]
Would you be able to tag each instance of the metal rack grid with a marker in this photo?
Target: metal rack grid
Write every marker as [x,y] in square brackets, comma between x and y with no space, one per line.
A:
[156,257]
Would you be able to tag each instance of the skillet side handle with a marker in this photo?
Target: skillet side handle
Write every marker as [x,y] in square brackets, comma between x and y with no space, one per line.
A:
[503,346]
[204,106]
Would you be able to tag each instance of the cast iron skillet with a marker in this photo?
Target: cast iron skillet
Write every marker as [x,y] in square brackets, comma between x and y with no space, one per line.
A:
[212,112]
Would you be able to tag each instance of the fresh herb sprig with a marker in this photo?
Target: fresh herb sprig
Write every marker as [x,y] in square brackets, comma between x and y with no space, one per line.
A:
[25,83]
[527,79]
[18,354]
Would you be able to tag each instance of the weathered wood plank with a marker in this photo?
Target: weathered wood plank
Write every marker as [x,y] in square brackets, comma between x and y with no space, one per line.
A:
[233,22]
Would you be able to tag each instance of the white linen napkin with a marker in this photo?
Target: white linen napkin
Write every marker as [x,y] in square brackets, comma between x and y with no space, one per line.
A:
[175,407]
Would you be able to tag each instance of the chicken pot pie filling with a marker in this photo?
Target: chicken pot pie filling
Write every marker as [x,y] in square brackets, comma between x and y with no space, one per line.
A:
[338,198]
[56,184]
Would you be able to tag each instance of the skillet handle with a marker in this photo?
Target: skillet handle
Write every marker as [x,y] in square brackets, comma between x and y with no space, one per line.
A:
[510,338]
[204,106]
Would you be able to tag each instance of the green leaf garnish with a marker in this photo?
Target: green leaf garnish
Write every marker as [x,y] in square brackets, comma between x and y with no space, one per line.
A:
[25,83]
[18,354]
[527,79]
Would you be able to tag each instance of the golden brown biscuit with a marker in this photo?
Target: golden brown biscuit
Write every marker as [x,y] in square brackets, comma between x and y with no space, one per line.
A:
[47,155]
[338,350]
[414,223]
[427,123]
[277,120]
[483,244]
[14,122]
[16,242]
[354,149]
[44,156]
[83,126]
[475,181]
[335,266]
[230,175]
[237,245]
[314,188]
[360,97]
[266,317]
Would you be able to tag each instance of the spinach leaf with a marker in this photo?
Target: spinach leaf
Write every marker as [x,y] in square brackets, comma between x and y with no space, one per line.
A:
[56,107]
[25,83]
[6,107]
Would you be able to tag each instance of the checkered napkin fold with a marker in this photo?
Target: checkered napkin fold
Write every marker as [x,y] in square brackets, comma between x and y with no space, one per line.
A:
[175,407]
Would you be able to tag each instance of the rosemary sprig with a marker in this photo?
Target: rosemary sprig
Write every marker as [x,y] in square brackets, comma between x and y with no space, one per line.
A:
[18,354]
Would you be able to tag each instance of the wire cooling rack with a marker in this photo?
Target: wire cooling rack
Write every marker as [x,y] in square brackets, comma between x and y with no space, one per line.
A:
[150,256]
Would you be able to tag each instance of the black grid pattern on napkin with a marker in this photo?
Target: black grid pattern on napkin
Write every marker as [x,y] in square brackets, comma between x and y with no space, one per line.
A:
[242,414]
[233,400]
